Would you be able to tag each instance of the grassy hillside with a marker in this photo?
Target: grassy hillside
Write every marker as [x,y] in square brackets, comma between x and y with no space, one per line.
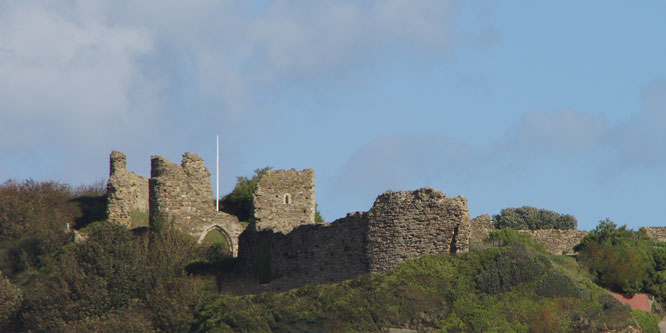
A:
[126,281]
[509,289]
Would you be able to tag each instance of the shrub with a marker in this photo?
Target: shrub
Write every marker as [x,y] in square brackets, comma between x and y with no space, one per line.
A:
[239,201]
[509,268]
[531,218]
[618,258]
[649,322]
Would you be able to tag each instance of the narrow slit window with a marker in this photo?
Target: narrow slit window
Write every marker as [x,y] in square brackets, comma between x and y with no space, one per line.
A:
[287,199]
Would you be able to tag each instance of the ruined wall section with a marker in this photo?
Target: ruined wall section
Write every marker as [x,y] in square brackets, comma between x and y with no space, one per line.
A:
[311,253]
[481,227]
[126,192]
[182,195]
[284,199]
[556,241]
[408,224]
[657,233]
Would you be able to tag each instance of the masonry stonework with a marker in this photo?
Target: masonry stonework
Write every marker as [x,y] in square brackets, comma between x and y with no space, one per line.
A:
[657,233]
[284,199]
[399,226]
[407,224]
[126,192]
[556,241]
[481,226]
[182,195]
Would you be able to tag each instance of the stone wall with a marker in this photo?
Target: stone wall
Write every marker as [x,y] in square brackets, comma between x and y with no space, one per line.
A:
[182,195]
[399,226]
[126,192]
[408,224]
[658,233]
[320,253]
[284,199]
[556,241]
[481,227]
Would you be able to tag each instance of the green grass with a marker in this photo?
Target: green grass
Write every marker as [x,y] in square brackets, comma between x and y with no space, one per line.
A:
[139,219]
[648,321]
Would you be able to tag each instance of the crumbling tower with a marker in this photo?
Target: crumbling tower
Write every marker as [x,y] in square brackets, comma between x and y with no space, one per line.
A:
[127,193]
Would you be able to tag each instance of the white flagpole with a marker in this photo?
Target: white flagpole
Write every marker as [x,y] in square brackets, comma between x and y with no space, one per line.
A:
[217,177]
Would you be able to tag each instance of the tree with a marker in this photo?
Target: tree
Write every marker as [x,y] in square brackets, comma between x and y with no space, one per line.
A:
[239,201]
[532,218]
[618,258]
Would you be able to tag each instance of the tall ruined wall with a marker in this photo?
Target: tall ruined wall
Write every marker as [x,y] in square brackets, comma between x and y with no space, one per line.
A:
[182,195]
[284,199]
[126,192]
[481,227]
[323,252]
[556,241]
[407,224]
[658,233]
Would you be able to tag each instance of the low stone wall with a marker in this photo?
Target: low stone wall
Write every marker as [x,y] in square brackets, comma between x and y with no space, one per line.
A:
[556,241]
[658,233]
[126,192]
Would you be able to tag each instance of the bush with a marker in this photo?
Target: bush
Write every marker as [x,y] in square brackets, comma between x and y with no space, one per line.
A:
[531,218]
[509,268]
[649,322]
[239,201]
[618,258]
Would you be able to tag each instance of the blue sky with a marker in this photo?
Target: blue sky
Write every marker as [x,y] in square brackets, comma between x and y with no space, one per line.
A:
[554,104]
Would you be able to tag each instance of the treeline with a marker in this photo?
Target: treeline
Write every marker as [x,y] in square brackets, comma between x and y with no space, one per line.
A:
[116,279]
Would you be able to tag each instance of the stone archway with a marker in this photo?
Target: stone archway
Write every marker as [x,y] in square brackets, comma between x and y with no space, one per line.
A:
[217,235]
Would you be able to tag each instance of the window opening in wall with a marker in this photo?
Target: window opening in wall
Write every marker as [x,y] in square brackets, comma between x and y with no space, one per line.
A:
[287,199]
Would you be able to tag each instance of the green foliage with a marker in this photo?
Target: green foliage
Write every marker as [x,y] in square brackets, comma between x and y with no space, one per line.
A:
[532,218]
[648,322]
[509,268]
[618,258]
[139,219]
[318,217]
[508,236]
[239,201]
[557,284]
[10,300]
[434,292]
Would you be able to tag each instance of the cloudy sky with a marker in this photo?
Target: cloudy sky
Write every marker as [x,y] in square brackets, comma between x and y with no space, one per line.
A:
[558,105]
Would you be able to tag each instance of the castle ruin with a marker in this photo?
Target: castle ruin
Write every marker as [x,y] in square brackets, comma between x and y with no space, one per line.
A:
[399,226]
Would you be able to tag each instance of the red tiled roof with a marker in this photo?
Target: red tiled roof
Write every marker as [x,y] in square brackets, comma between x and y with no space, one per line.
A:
[637,302]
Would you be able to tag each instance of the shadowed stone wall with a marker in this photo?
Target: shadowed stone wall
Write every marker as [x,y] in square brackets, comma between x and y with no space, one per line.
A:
[408,224]
[181,194]
[126,192]
[323,252]
[284,199]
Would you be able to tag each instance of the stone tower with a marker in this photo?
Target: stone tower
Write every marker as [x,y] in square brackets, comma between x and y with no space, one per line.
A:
[126,192]
[284,199]
[181,195]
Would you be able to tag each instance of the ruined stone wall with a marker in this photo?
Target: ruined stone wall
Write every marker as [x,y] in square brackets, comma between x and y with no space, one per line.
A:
[126,192]
[319,253]
[556,241]
[481,227]
[182,195]
[408,224]
[284,199]
[658,233]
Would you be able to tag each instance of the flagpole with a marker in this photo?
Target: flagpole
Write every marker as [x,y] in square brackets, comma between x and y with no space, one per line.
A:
[217,176]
